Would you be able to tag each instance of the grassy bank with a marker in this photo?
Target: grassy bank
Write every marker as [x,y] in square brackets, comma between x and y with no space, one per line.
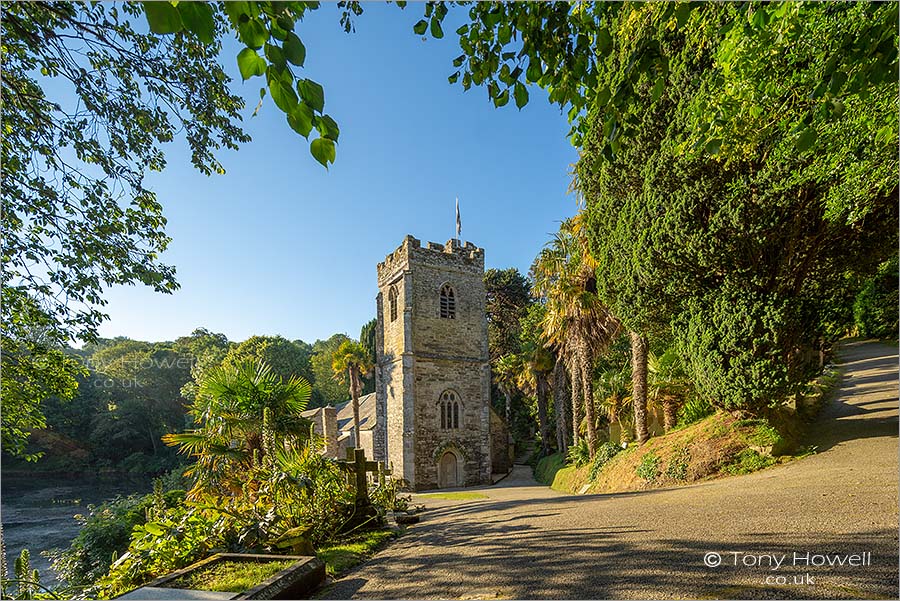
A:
[716,446]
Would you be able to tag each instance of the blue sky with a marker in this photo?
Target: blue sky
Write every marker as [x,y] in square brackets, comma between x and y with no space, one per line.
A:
[279,245]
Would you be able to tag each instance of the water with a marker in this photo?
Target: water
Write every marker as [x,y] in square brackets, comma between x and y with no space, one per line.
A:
[38,512]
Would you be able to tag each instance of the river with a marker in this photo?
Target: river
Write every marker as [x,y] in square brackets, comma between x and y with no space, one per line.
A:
[38,512]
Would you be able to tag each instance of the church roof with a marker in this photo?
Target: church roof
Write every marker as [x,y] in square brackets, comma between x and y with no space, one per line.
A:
[345,413]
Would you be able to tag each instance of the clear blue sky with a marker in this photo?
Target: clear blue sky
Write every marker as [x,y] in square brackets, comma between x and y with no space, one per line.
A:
[279,245]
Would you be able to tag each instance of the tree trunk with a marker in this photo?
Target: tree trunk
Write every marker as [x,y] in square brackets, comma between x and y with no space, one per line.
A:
[543,421]
[561,404]
[639,385]
[508,396]
[577,404]
[587,391]
[354,395]
[670,413]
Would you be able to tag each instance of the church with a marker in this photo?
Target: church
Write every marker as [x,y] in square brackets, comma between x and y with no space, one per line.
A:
[430,417]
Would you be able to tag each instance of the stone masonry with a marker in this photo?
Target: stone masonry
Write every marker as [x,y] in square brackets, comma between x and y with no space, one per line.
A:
[423,359]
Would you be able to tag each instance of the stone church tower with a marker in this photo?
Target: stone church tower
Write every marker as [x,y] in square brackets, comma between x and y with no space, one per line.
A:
[432,369]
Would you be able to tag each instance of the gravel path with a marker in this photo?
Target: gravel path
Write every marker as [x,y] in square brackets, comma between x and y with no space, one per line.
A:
[525,541]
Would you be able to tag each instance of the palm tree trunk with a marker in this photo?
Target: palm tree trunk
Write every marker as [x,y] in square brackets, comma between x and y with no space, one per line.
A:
[508,396]
[354,395]
[543,421]
[639,385]
[577,405]
[670,413]
[561,404]
[587,391]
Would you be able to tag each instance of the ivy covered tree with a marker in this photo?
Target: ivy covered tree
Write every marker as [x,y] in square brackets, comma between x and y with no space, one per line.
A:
[738,250]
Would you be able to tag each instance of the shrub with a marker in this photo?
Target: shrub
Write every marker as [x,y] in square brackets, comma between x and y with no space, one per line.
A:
[734,341]
[649,467]
[105,534]
[604,454]
[579,454]
[748,461]
[694,410]
[678,464]
[875,310]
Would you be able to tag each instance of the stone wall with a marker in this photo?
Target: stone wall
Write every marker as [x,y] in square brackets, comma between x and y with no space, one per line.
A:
[501,455]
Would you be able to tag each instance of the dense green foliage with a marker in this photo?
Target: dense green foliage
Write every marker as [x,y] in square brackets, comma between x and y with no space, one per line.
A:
[331,391]
[737,252]
[508,297]
[259,482]
[875,306]
[85,117]
[106,532]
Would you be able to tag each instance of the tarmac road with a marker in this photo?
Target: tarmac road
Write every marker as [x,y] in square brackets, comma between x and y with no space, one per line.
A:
[525,541]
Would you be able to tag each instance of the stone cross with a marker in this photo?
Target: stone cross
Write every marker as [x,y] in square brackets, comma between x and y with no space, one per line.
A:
[356,464]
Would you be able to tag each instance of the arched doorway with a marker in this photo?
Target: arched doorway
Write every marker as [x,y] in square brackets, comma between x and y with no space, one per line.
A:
[449,471]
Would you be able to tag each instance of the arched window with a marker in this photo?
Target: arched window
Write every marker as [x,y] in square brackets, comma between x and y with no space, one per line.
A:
[449,408]
[392,301]
[448,302]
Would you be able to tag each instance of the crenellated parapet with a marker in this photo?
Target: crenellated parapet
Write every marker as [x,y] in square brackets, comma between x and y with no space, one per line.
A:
[453,253]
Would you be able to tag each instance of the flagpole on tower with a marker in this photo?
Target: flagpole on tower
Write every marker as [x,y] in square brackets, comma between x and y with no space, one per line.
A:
[458,222]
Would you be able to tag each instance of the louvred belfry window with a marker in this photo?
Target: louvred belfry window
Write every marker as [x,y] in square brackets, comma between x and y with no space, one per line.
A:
[392,301]
[448,302]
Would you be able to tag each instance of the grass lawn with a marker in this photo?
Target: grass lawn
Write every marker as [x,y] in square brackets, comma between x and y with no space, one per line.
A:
[455,496]
[341,557]
[230,576]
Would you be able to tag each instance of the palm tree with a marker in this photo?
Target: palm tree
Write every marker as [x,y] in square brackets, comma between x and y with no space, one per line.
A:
[237,407]
[578,325]
[506,372]
[612,389]
[536,365]
[353,360]
[561,403]
[639,350]
[667,385]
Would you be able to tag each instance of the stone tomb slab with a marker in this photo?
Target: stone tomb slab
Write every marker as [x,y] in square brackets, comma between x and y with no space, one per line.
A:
[297,581]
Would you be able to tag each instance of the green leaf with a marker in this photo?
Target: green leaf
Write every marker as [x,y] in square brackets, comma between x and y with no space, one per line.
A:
[198,18]
[838,79]
[436,30]
[604,40]
[253,34]
[294,50]
[420,27]
[154,528]
[658,88]
[283,95]
[806,139]
[713,146]
[162,17]
[328,127]
[312,94]
[533,73]
[250,63]
[275,55]
[502,99]
[521,95]
[285,23]
[682,13]
[323,151]
[301,119]
[453,78]
[885,135]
